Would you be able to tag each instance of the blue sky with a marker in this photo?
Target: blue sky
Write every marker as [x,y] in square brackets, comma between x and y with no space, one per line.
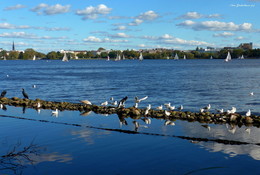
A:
[52,25]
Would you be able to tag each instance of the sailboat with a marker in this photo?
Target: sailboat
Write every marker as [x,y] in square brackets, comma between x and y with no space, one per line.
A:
[242,57]
[228,58]
[108,58]
[211,57]
[123,57]
[34,58]
[176,57]
[141,57]
[118,57]
[4,58]
[184,57]
[65,58]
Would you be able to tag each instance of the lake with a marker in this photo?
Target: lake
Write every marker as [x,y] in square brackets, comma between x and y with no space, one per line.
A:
[36,142]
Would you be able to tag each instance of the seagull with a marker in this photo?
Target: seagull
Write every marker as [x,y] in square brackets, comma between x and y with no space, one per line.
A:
[220,110]
[137,100]
[180,108]
[3,93]
[25,94]
[168,105]
[248,114]
[160,107]
[167,113]
[86,102]
[248,130]
[114,103]
[207,107]
[55,113]
[149,107]
[38,105]
[104,103]
[34,86]
[251,93]
[232,111]
[122,102]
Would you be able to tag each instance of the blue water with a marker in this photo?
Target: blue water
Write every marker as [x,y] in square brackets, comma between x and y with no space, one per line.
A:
[92,148]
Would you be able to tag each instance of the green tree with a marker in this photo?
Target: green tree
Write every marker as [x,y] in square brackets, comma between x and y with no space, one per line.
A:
[52,55]
[29,54]
[13,55]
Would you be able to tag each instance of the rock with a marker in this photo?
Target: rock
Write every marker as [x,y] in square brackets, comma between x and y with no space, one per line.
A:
[249,120]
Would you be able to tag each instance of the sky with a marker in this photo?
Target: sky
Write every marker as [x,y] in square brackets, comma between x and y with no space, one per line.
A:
[51,25]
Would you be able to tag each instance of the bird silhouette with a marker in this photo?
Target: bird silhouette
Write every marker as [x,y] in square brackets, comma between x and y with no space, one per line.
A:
[3,93]
[25,94]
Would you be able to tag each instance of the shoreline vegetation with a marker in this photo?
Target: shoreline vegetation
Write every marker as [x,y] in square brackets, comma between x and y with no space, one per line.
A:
[30,54]
[137,113]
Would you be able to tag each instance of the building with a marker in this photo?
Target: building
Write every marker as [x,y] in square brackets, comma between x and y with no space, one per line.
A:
[246,46]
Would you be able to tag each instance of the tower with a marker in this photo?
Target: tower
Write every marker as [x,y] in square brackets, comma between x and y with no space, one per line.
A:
[13,48]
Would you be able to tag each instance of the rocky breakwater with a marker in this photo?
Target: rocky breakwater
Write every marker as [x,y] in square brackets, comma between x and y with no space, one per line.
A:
[136,113]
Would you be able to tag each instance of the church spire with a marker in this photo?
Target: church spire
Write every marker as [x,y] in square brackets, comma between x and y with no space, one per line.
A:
[13,48]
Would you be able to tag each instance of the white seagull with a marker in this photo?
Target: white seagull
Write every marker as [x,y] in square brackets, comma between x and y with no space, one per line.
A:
[55,113]
[160,107]
[104,103]
[251,93]
[248,113]
[207,107]
[169,122]
[167,113]
[180,108]
[232,111]
[137,100]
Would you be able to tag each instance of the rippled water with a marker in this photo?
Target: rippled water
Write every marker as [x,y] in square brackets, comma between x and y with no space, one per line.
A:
[97,144]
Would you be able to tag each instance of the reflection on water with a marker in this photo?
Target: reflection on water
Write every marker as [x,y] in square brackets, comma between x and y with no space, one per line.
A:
[19,156]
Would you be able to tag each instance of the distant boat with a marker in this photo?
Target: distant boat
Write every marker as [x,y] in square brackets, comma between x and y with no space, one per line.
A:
[242,57]
[168,58]
[34,58]
[211,57]
[4,58]
[108,58]
[118,57]
[123,57]
[141,57]
[184,57]
[65,58]
[176,57]
[228,58]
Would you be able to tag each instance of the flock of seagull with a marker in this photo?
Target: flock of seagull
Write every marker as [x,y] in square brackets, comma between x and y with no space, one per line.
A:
[167,110]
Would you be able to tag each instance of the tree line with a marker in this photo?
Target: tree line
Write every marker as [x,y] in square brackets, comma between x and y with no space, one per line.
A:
[28,54]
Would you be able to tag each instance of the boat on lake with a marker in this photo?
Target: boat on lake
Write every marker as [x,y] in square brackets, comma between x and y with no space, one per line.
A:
[34,58]
[141,57]
[176,57]
[228,58]
[65,58]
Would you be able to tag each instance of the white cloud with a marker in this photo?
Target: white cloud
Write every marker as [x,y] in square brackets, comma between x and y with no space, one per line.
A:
[17,35]
[46,9]
[94,12]
[15,7]
[120,28]
[169,39]
[196,15]
[146,16]
[216,26]
[120,35]
[224,34]
[93,39]
[149,15]
[239,38]
[11,26]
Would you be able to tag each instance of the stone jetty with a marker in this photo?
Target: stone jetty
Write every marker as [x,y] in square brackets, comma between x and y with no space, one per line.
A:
[136,113]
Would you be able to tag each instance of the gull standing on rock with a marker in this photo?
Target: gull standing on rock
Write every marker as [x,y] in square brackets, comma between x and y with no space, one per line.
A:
[160,107]
[86,102]
[137,101]
[104,103]
[248,114]
[122,102]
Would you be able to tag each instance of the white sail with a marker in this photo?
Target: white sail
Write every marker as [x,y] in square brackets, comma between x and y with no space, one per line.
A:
[211,57]
[168,58]
[141,57]
[108,58]
[228,58]
[118,57]
[176,57]
[123,57]
[4,58]
[242,57]
[65,58]
[34,58]
[184,57]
